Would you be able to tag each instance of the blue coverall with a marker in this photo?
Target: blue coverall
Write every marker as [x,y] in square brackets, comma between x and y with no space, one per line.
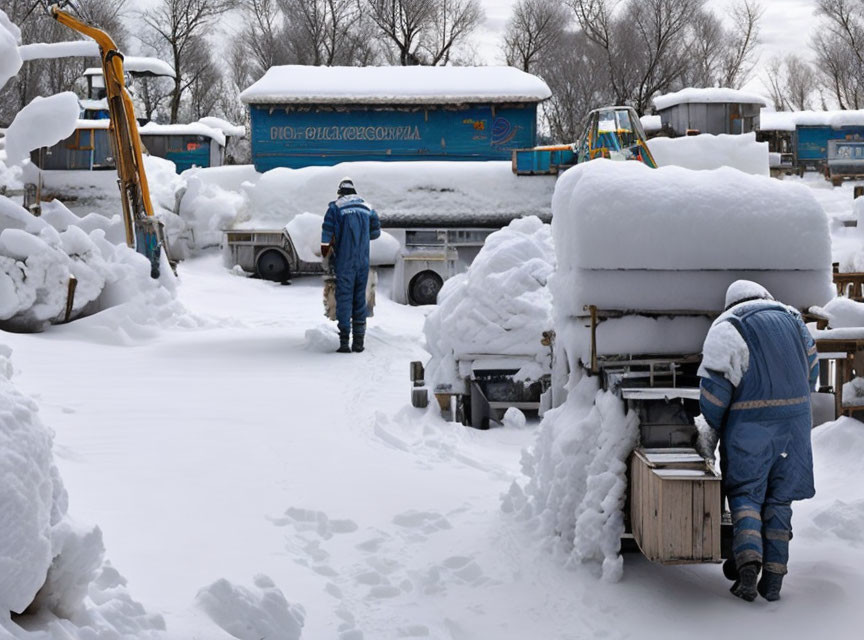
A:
[764,425]
[350,224]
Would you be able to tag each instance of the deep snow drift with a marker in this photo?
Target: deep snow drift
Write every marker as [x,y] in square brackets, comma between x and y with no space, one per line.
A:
[52,568]
[706,151]
[500,307]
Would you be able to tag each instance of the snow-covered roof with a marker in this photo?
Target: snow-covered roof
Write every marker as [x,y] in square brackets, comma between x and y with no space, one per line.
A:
[789,120]
[193,129]
[394,85]
[651,123]
[138,65]
[707,96]
[94,105]
[234,130]
[69,49]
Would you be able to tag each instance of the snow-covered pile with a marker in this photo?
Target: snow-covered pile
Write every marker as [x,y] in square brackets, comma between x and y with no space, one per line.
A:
[401,189]
[842,313]
[305,232]
[10,59]
[395,85]
[501,306]
[52,569]
[233,130]
[631,238]
[790,120]
[577,478]
[252,613]
[38,256]
[707,151]
[42,123]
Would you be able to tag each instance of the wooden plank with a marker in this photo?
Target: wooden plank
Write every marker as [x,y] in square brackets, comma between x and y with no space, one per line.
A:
[698,510]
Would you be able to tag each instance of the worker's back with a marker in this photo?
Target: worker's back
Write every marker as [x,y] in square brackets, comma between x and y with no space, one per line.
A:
[352,231]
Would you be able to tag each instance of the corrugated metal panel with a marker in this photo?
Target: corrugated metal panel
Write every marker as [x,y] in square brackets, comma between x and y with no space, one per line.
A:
[298,137]
[184,151]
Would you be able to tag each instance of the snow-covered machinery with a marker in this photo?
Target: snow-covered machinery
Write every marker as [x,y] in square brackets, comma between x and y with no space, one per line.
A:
[614,133]
[143,230]
[845,160]
[644,260]
[267,253]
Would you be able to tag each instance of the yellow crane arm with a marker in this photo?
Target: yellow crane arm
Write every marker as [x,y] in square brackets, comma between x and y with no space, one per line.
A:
[141,226]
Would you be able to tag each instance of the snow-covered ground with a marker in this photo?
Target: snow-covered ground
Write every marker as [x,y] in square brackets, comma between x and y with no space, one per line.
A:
[232,450]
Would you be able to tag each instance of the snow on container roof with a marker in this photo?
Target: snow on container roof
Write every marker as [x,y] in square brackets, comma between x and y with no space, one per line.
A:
[142,65]
[93,124]
[68,49]
[193,129]
[237,131]
[789,120]
[708,95]
[296,84]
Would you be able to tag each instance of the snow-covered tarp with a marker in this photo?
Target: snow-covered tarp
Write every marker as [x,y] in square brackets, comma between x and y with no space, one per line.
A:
[500,307]
[708,95]
[788,120]
[708,151]
[395,85]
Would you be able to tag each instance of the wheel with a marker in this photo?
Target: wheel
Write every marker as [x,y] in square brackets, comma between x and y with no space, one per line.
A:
[424,288]
[419,397]
[273,266]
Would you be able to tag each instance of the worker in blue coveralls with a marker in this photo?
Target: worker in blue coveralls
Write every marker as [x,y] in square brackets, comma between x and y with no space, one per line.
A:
[759,365]
[349,225]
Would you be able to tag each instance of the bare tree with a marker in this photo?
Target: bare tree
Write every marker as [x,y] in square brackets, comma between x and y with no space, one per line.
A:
[453,21]
[403,23]
[179,25]
[792,82]
[534,31]
[108,15]
[839,47]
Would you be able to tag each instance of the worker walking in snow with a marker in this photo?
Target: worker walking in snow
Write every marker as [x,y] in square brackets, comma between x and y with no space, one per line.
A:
[349,225]
[759,364]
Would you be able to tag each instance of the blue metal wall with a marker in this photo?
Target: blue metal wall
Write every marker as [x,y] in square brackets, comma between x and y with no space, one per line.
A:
[299,137]
[811,143]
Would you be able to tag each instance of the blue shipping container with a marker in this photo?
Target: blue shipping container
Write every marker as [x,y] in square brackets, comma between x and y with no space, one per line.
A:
[811,142]
[316,135]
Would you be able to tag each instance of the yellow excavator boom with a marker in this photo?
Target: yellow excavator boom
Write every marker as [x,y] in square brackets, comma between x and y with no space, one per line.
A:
[143,230]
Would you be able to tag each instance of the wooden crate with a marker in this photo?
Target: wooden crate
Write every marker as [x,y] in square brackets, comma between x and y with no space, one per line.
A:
[675,506]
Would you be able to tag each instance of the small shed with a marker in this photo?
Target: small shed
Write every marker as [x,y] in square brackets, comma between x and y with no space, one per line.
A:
[712,110]
[806,134]
[186,145]
[303,115]
[87,149]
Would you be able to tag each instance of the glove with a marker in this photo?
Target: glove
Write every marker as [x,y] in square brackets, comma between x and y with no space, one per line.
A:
[706,442]
[325,249]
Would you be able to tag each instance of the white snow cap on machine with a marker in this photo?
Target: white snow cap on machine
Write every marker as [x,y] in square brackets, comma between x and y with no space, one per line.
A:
[395,85]
[708,95]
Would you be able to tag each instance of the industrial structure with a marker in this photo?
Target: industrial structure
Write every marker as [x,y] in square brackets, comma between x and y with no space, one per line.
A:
[304,116]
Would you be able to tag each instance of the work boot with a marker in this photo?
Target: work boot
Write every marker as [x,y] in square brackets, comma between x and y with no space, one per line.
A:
[745,585]
[357,347]
[769,585]
[344,347]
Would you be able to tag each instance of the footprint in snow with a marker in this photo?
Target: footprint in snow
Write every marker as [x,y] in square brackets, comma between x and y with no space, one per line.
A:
[425,521]
[304,520]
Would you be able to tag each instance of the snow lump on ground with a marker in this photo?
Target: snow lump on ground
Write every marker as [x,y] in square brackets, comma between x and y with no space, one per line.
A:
[53,576]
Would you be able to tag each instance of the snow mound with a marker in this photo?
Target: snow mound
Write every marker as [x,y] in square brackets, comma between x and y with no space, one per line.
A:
[514,419]
[842,313]
[577,479]
[42,123]
[207,209]
[706,152]
[323,339]
[51,568]
[500,306]
[408,190]
[38,257]
[844,520]
[257,613]
[10,58]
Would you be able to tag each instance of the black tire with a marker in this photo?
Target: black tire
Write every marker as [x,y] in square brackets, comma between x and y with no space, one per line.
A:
[273,266]
[424,288]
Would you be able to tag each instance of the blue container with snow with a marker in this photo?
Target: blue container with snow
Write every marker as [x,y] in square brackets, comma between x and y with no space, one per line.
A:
[186,145]
[303,116]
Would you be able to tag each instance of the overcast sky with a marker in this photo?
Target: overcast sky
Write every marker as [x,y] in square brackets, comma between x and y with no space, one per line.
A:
[786,27]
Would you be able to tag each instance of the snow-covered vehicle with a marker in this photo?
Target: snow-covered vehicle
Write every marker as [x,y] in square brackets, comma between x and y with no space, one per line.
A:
[845,161]
[267,253]
[642,273]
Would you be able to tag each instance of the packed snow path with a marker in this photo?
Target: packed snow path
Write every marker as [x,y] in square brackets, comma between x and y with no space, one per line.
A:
[234,450]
